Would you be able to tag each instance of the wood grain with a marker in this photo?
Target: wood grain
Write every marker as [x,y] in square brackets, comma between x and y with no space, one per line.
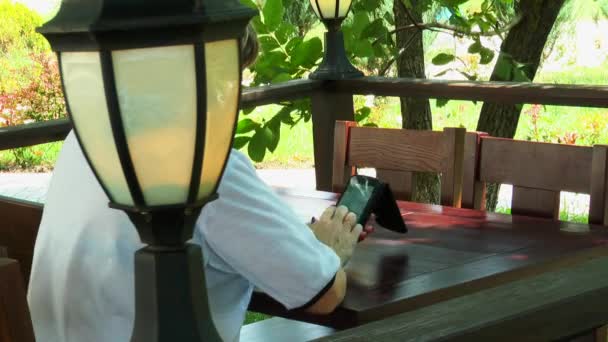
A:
[471,189]
[498,92]
[395,153]
[327,108]
[539,308]
[452,169]
[535,202]
[18,231]
[397,149]
[598,206]
[341,171]
[536,165]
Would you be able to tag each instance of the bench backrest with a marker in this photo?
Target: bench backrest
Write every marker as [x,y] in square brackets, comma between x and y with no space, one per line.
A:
[18,230]
[539,172]
[395,151]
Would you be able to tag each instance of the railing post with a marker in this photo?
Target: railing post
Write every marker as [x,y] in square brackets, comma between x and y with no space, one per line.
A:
[327,107]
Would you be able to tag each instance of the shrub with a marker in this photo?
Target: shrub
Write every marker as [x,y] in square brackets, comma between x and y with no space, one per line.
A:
[30,84]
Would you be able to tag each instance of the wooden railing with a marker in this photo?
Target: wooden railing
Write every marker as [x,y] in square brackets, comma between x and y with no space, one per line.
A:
[333,100]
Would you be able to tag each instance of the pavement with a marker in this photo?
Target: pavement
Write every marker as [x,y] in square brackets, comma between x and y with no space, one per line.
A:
[33,187]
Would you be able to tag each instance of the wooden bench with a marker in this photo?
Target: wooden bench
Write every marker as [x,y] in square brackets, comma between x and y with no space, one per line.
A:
[19,221]
[396,153]
[15,321]
[538,173]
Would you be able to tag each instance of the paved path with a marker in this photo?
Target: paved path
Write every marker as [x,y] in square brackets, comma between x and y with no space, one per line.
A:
[33,186]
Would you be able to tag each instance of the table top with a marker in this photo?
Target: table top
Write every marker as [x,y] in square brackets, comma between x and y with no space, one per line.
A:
[447,253]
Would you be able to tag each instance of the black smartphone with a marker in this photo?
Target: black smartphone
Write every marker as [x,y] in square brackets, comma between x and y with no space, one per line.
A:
[361,196]
[366,195]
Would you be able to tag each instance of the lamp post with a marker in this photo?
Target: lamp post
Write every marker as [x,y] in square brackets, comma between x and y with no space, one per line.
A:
[153,90]
[335,64]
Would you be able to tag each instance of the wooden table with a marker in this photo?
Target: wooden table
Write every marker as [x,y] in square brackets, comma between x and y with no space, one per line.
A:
[452,255]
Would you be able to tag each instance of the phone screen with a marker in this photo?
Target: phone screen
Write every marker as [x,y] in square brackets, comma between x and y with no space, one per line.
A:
[357,195]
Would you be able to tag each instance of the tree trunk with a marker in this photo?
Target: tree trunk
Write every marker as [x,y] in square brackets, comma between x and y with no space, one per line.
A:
[416,113]
[524,43]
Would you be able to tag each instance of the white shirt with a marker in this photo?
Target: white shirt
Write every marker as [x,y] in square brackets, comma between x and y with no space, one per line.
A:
[82,280]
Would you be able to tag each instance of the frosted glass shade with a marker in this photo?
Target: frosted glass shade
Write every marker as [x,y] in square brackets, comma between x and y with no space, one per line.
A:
[138,116]
[331,9]
[84,92]
[223,86]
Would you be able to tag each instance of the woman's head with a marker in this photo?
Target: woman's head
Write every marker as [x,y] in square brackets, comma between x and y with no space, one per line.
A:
[249,47]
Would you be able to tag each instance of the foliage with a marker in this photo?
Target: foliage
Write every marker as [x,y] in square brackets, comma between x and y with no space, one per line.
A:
[291,47]
[30,84]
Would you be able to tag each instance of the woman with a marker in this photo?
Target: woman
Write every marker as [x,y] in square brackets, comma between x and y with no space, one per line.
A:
[82,283]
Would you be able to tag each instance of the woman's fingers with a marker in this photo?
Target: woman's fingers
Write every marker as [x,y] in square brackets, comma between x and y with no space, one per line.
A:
[350,220]
[328,214]
[340,213]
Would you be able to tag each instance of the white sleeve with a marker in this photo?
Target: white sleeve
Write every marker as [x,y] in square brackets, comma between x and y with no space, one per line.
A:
[261,238]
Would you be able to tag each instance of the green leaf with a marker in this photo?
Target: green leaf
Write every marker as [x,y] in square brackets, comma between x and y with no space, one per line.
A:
[259,26]
[273,14]
[246,126]
[475,47]
[443,59]
[268,43]
[240,142]
[307,53]
[503,68]
[370,124]
[371,5]
[442,102]
[258,143]
[275,126]
[285,32]
[374,30]
[293,42]
[359,23]
[282,77]
[487,55]
[247,111]
[363,48]
[362,114]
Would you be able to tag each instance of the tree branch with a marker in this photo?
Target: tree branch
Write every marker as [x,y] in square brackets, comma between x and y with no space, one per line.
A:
[455,29]
[394,59]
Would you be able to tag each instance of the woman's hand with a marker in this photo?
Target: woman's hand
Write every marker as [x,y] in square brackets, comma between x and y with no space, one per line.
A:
[338,229]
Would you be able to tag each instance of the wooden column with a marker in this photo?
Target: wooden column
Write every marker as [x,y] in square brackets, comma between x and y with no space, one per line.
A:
[327,107]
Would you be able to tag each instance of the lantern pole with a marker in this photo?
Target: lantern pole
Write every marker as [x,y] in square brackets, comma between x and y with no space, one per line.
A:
[335,64]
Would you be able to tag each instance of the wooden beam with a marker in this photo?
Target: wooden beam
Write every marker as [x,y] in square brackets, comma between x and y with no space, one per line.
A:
[34,133]
[297,89]
[499,92]
[327,107]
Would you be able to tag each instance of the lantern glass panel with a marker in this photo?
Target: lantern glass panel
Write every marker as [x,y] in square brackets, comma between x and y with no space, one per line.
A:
[344,7]
[326,9]
[157,96]
[223,86]
[84,90]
